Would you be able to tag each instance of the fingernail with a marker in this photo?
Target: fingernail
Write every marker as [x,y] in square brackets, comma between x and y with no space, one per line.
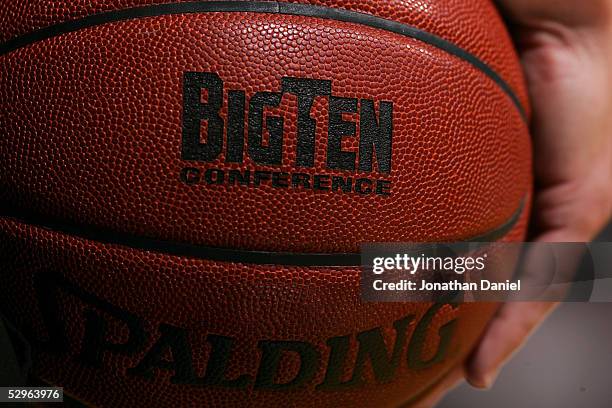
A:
[489,379]
[483,383]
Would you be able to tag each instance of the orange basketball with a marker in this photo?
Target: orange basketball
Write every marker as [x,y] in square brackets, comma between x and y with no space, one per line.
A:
[185,186]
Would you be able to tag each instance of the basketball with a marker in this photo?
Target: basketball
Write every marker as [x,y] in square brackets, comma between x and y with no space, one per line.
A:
[185,186]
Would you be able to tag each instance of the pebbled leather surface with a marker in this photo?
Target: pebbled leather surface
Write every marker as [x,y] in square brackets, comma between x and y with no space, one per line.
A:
[250,303]
[93,130]
[91,134]
[474,25]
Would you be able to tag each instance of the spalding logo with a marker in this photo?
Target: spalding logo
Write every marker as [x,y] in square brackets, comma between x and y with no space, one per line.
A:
[207,137]
[147,353]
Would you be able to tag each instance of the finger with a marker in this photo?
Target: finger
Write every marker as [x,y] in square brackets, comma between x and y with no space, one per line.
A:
[505,334]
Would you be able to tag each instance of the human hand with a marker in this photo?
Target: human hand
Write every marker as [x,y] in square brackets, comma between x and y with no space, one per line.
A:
[566,51]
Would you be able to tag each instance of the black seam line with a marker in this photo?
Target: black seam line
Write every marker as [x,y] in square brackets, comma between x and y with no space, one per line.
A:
[262,7]
[221,254]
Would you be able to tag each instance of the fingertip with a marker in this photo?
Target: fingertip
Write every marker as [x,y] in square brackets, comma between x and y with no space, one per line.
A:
[479,373]
[482,382]
[478,383]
